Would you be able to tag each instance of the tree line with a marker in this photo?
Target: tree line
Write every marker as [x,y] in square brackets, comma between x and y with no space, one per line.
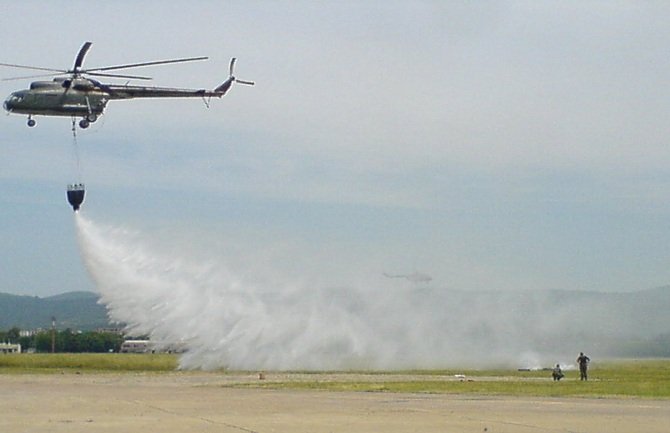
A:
[65,341]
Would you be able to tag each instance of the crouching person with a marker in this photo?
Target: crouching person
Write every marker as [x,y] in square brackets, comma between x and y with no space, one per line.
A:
[556,373]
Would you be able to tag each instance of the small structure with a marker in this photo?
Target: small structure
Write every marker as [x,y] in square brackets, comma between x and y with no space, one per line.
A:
[10,348]
[137,346]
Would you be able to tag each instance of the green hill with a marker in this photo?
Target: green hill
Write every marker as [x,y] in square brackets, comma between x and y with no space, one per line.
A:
[73,310]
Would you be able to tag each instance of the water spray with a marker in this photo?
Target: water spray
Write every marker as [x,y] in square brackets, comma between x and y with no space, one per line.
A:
[222,320]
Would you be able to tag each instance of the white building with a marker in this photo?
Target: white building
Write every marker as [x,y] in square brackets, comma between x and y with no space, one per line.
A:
[137,346]
[10,348]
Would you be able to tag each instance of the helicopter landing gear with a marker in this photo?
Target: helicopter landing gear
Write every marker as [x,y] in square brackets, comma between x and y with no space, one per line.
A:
[87,120]
[31,122]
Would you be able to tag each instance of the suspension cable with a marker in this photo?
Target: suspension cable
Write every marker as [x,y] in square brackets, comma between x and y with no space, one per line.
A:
[75,148]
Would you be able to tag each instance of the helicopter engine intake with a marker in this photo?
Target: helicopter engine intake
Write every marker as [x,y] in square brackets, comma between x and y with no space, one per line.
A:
[45,85]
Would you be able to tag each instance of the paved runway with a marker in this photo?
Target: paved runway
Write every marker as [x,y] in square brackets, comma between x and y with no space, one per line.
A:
[201,402]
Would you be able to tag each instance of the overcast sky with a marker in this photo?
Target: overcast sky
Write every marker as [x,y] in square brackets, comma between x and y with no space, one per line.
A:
[492,145]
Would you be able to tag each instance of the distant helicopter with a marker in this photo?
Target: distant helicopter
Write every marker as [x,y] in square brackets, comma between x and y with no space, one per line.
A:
[415,277]
[78,95]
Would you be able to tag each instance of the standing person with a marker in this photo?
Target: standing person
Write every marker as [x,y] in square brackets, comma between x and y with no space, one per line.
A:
[583,362]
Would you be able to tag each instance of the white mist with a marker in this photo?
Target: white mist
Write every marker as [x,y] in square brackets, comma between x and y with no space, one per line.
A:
[226,321]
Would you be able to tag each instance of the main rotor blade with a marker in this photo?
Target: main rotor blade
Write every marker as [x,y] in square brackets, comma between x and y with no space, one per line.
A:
[133,77]
[25,77]
[80,57]
[137,65]
[34,68]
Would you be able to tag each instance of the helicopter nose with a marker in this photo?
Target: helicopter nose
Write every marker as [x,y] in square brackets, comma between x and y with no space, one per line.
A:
[7,105]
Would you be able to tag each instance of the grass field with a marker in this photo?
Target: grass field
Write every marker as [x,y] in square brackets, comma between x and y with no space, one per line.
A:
[648,379]
[91,362]
[640,378]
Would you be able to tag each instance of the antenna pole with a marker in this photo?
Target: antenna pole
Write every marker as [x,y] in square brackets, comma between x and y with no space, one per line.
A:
[53,335]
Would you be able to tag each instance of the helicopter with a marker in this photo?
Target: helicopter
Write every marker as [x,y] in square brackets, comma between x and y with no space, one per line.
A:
[74,93]
[415,277]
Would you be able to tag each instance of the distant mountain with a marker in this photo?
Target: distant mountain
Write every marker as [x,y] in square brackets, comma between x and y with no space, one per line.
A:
[629,324]
[74,310]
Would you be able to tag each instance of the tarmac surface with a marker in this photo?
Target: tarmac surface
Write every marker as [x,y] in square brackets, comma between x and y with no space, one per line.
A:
[204,402]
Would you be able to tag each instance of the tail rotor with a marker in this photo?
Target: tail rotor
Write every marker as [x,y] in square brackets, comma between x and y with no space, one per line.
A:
[231,75]
[223,88]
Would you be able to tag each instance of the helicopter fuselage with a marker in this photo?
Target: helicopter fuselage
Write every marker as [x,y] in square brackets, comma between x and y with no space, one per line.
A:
[52,98]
